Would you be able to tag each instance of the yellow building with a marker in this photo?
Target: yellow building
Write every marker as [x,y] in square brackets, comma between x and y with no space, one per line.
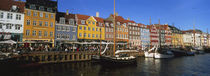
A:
[90,28]
[39,22]
[177,40]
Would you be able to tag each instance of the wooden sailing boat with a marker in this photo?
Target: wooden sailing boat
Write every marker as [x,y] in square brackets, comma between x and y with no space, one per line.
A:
[117,59]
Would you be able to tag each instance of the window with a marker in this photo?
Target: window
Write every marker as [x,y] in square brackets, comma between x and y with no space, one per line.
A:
[41,14]
[93,35]
[100,29]
[80,27]
[96,29]
[85,28]
[83,21]
[1,25]
[34,23]
[107,24]
[27,32]
[63,28]
[85,34]
[62,20]
[58,36]
[40,23]
[9,26]
[41,8]
[74,29]
[71,21]
[93,29]
[17,27]
[9,15]
[18,17]
[1,14]
[49,9]
[51,34]
[46,24]
[46,15]
[35,13]
[34,33]
[67,28]
[28,13]
[52,16]
[89,28]
[89,35]
[96,35]
[80,34]
[28,22]
[40,33]
[51,24]
[32,6]
[93,23]
[118,23]
[74,37]
[45,33]
[89,22]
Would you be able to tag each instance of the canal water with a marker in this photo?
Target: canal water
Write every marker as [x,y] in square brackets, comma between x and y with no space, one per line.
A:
[198,65]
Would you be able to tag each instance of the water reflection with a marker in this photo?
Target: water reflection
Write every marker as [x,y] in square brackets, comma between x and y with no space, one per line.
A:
[183,66]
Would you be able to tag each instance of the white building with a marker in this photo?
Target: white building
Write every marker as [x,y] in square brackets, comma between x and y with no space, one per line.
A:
[204,41]
[187,39]
[11,23]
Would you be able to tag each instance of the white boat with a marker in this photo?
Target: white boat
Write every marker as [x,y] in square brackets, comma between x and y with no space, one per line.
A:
[150,53]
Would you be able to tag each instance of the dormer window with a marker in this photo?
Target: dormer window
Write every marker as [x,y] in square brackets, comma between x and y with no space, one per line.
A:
[32,6]
[49,9]
[107,24]
[62,20]
[118,23]
[71,21]
[83,21]
[41,8]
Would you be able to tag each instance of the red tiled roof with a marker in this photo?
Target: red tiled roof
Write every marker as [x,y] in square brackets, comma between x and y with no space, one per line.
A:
[7,4]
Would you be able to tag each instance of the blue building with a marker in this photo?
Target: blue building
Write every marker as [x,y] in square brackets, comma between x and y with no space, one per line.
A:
[65,28]
[145,37]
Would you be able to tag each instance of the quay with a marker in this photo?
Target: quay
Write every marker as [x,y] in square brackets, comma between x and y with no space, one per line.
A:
[54,57]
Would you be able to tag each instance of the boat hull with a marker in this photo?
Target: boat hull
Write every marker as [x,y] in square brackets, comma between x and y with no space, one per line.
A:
[149,55]
[116,61]
[160,56]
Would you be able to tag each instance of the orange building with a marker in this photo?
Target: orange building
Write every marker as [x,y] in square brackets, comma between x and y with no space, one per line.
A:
[39,21]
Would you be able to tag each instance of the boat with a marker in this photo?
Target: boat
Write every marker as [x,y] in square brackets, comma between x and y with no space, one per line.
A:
[120,59]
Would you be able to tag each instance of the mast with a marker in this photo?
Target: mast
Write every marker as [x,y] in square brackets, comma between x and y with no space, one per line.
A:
[159,34]
[114,31]
[150,22]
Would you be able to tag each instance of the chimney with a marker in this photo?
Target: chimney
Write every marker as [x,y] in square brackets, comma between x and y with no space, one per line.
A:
[97,14]
[67,12]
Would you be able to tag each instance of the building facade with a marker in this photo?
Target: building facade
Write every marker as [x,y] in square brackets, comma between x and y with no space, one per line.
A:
[204,39]
[65,28]
[134,34]
[154,35]
[11,20]
[90,28]
[121,28]
[177,37]
[145,37]
[196,37]
[40,21]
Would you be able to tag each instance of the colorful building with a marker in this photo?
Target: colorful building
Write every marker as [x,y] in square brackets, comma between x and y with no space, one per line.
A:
[187,39]
[154,35]
[121,28]
[204,41]
[39,25]
[11,20]
[90,28]
[177,37]
[134,34]
[65,28]
[145,37]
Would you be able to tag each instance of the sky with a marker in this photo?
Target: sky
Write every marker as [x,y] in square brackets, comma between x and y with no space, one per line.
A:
[182,13]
